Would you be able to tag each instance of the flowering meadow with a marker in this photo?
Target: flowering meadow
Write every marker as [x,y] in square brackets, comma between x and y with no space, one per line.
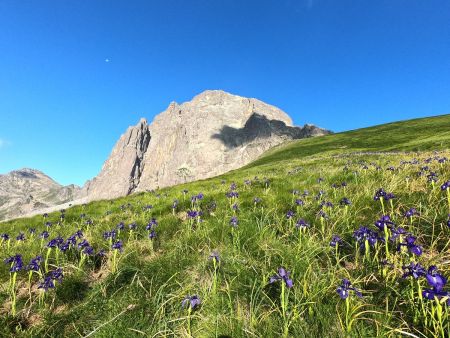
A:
[337,236]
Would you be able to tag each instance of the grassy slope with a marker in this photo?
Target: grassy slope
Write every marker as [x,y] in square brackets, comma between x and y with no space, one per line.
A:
[143,297]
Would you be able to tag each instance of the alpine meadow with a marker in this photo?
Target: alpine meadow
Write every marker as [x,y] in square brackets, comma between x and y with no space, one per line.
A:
[341,235]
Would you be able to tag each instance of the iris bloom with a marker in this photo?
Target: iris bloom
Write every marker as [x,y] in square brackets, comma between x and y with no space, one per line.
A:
[413,269]
[283,276]
[192,302]
[410,244]
[335,240]
[437,282]
[344,289]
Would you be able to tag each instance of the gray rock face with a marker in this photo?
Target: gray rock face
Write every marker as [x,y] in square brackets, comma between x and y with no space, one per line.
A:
[27,190]
[213,133]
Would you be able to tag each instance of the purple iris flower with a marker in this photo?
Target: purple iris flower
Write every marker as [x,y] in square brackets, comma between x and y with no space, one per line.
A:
[344,289]
[48,224]
[193,302]
[20,237]
[413,269]
[120,226]
[384,221]
[345,201]
[436,280]
[64,246]
[174,204]
[411,212]
[79,234]
[44,234]
[47,284]
[380,193]
[363,234]
[215,256]
[4,236]
[32,230]
[299,202]
[88,250]
[35,263]
[152,234]
[234,222]
[301,224]
[335,240]
[257,200]
[283,276]
[152,224]
[232,194]
[84,243]
[448,221]
[117,246]
[55,242]
[410,244]
[445,186]
[290,214]
[132,226]
[16,263]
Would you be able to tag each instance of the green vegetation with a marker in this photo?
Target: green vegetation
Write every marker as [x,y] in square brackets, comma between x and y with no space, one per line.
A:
[139,291]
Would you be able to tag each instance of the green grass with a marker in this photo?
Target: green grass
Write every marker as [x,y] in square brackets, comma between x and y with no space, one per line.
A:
[143,297]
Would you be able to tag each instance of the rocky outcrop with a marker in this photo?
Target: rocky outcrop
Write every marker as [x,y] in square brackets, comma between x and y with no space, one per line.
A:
[213,133]
[122,171]
[27,190]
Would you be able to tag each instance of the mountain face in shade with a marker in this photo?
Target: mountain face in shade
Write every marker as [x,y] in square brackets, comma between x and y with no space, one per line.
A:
[27,190]
[213,133]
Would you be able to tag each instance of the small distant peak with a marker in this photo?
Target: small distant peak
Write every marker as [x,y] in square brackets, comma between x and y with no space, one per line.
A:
[212,95]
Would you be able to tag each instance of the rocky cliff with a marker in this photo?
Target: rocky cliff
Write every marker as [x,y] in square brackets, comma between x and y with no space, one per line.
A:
[213,133]
[27,190]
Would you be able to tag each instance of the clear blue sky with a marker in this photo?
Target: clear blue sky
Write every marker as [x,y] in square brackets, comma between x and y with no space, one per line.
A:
[339,64]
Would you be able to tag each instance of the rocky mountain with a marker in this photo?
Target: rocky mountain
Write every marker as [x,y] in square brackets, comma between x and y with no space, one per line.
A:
[213,133]
[27,190]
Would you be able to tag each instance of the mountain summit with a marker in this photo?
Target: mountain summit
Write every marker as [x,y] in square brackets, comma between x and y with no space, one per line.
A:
[213,133]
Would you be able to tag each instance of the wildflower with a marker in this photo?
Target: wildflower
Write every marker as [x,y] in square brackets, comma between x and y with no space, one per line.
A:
[345,201]
[301,224]
[16,263]
[283,276]
[215,256]
[380,193]
[117,246]
[152,234]
[84,243]
[437,282]
[410,244]
[335,240]
[34,264]
[4,236]
[445,186]
[192,302]
[47,284]
[299,202]
[88,250]
[132,226]
[79,234]
[55,242]
[411,212]
[152,224]
[384,222]
[44,234]
[413,269]
[344,289]
[290,214]
[20,237]
[120,226]
[257,200]
[363,234]
[234,222]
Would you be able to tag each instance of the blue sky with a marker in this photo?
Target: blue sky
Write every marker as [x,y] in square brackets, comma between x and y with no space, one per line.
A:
[339,64]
